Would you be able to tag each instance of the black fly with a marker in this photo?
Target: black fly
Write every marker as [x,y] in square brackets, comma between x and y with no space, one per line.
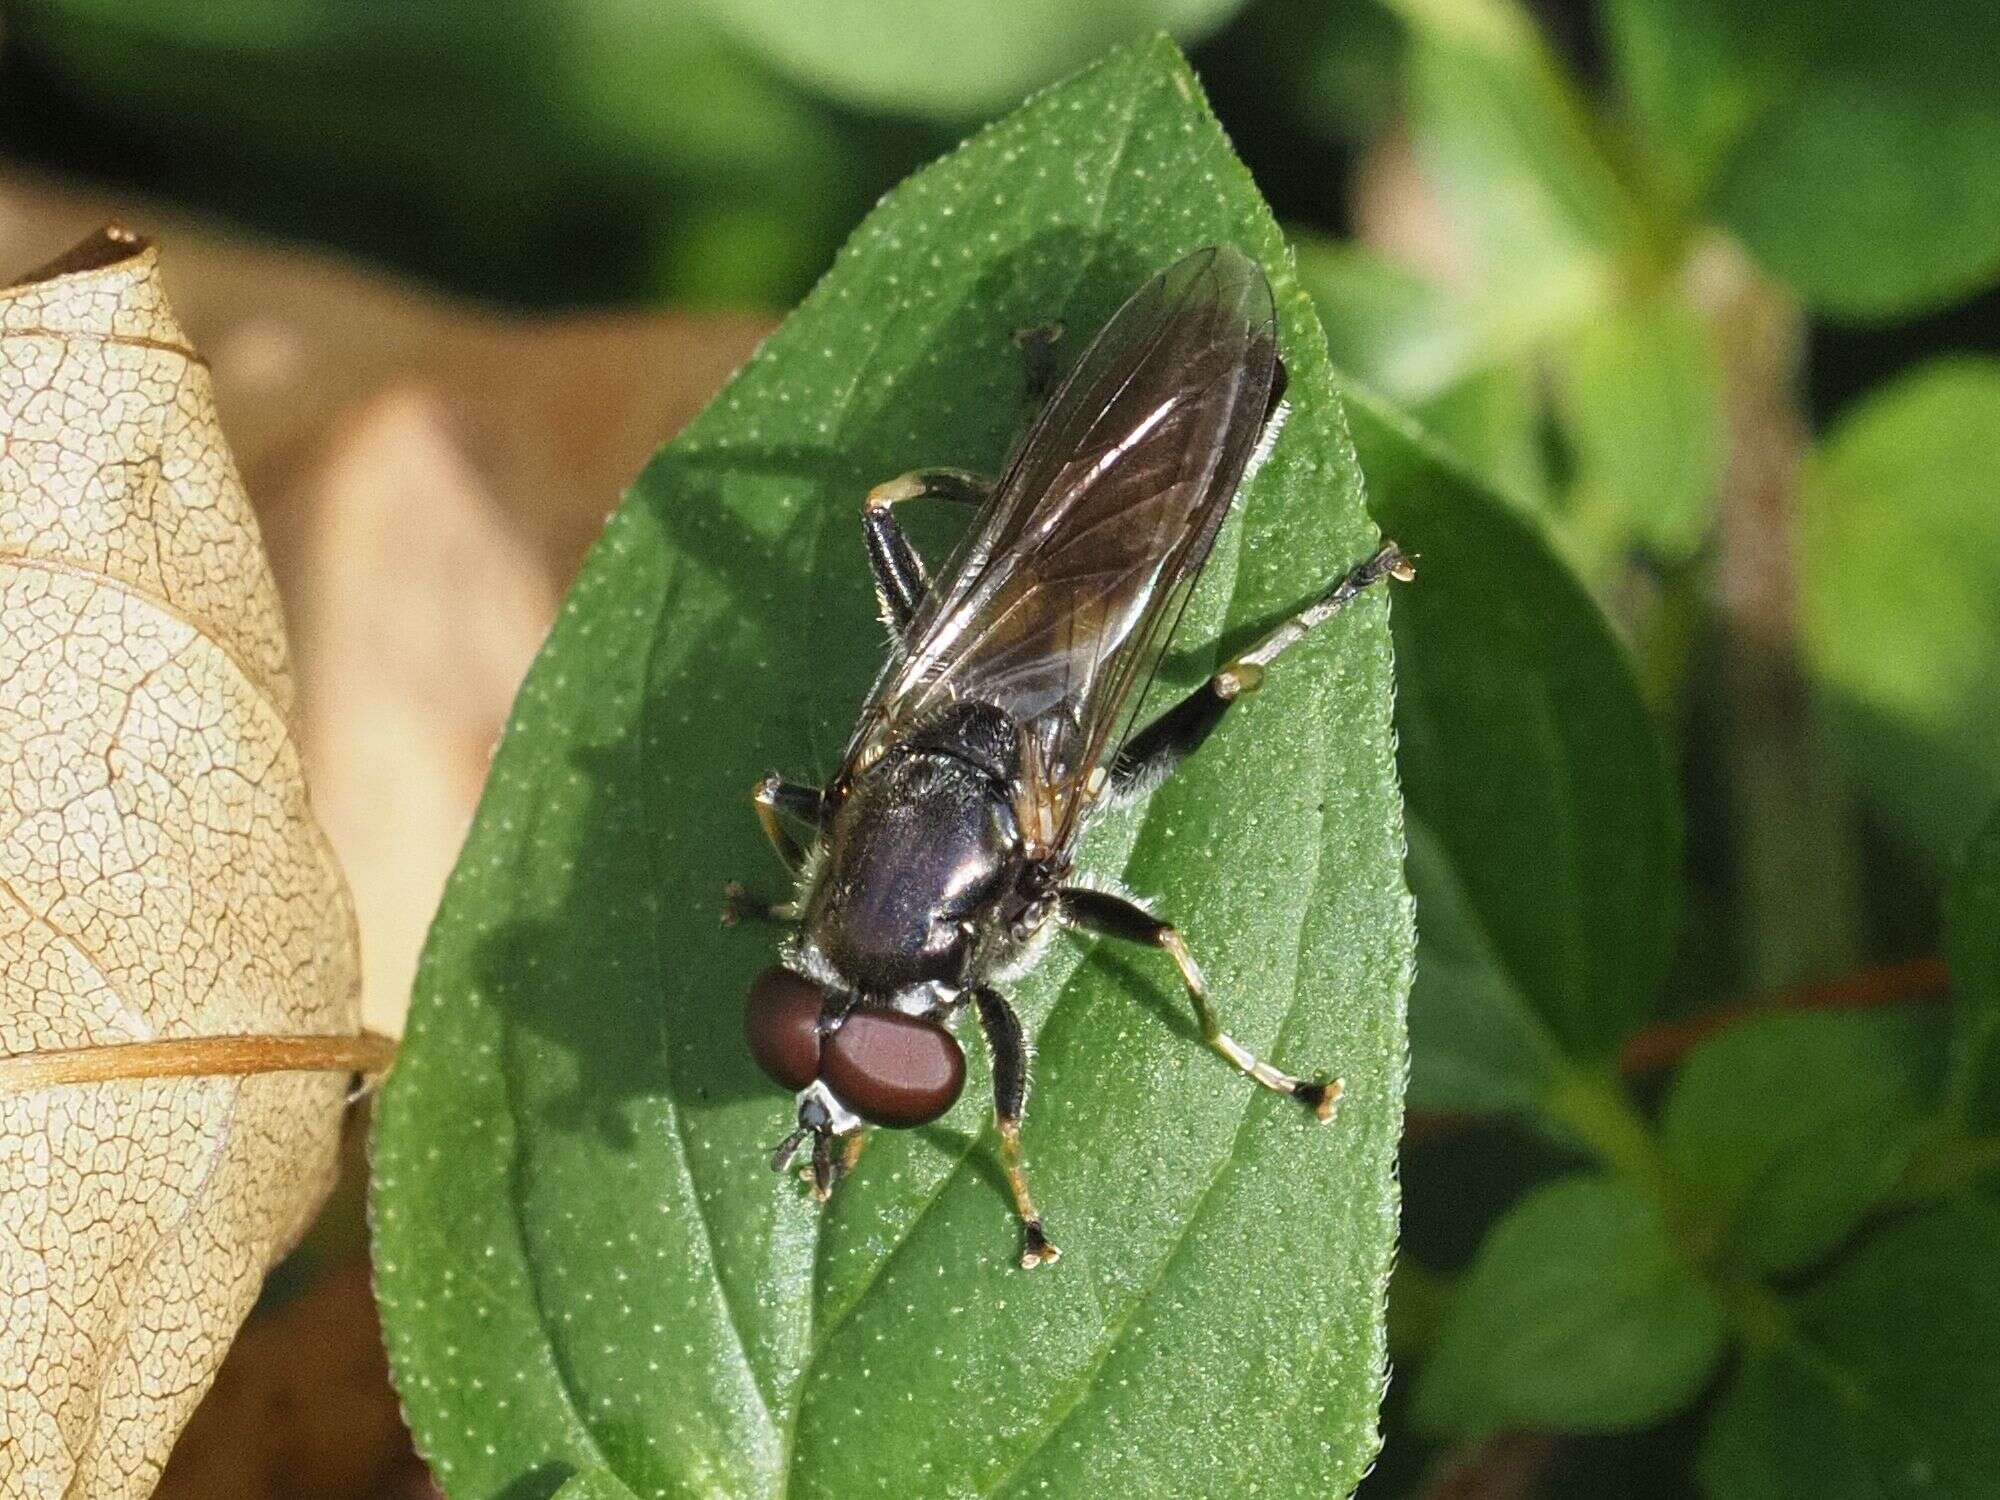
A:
[940,854]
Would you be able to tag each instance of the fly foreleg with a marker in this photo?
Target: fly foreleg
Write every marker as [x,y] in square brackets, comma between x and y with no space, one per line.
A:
[1009,1049]
[1114,916]
[1156,752]
[776,798]
[900,580]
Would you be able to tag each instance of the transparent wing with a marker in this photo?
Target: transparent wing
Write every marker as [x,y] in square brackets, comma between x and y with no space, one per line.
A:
[1068,586]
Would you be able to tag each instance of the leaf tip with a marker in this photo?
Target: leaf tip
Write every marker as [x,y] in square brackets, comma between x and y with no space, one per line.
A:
[109,246]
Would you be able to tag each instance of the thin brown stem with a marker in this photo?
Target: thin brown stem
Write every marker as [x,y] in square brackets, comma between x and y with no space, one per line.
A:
[1912,980]
[198,1057]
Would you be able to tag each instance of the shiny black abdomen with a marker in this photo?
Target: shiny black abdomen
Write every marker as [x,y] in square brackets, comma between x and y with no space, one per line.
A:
[924,842]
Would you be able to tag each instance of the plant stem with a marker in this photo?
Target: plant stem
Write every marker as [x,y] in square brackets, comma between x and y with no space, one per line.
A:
[1915,979]
[1796,864]
[197,1057]
[1596,1108]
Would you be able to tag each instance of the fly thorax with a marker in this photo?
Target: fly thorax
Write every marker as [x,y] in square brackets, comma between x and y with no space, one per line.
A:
[919,854]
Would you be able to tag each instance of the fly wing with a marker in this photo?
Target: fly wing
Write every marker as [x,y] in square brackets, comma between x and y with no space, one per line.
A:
[1064,594]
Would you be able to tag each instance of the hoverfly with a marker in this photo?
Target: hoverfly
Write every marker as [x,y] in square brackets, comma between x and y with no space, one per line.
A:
[939,857]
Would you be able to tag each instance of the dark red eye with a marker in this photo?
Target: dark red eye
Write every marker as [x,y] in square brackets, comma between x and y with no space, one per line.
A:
[893,1069]
[781,1023]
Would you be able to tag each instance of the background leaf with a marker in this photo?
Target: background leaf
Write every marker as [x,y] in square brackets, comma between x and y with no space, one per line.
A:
[1877,1384]
[167,904]
[1899,618]
[1639,393]
[1579,1315]
[1511,154]
[934,57]
[1544,842]
[571,1180]
[1437,359]
[1850,145]
[590,149]
[1792,1127]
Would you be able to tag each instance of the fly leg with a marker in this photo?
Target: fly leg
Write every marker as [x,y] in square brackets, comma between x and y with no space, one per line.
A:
[772,797]
[1155,752]
[1010,1093]
[900,580]
[739,905]
[1115,916]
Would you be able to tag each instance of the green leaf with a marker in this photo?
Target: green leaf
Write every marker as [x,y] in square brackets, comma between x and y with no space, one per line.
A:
[1544,835]
[941,58]
[593,1484]
[1639,394]
[1329,68]
[1503,140]
[582,1255]
[1431,354]
[1851,145]
[1578,1316]
[1881,1381]
[1386,325]
[589,150]
[1793,1127]
[1899,616]
[1687,94]
[1972,948]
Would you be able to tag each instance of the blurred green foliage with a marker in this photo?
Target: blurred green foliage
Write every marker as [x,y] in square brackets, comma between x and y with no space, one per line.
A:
[1671,339]
[549,152]
[1900,593]
[1580,1314]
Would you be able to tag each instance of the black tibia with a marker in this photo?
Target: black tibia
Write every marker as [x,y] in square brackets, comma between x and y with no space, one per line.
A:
[1009,1048]
[774,795]
[1114,916]
[1111,915]
[899,573]
[1038,353]
[1154,753]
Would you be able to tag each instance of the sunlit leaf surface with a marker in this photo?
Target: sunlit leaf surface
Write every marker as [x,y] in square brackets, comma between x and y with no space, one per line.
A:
[583,1258]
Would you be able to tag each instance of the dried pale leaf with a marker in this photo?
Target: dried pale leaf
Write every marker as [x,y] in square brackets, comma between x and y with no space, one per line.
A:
[555,414]
[417,608]
[163,888]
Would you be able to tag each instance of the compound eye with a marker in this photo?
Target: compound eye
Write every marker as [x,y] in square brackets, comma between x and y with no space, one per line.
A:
[781,1024]
[893,1069]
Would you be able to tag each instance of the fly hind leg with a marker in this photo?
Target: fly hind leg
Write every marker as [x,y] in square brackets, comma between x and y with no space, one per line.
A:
[1156,752]
[901,583]
[1114,916]
[1009,1048]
